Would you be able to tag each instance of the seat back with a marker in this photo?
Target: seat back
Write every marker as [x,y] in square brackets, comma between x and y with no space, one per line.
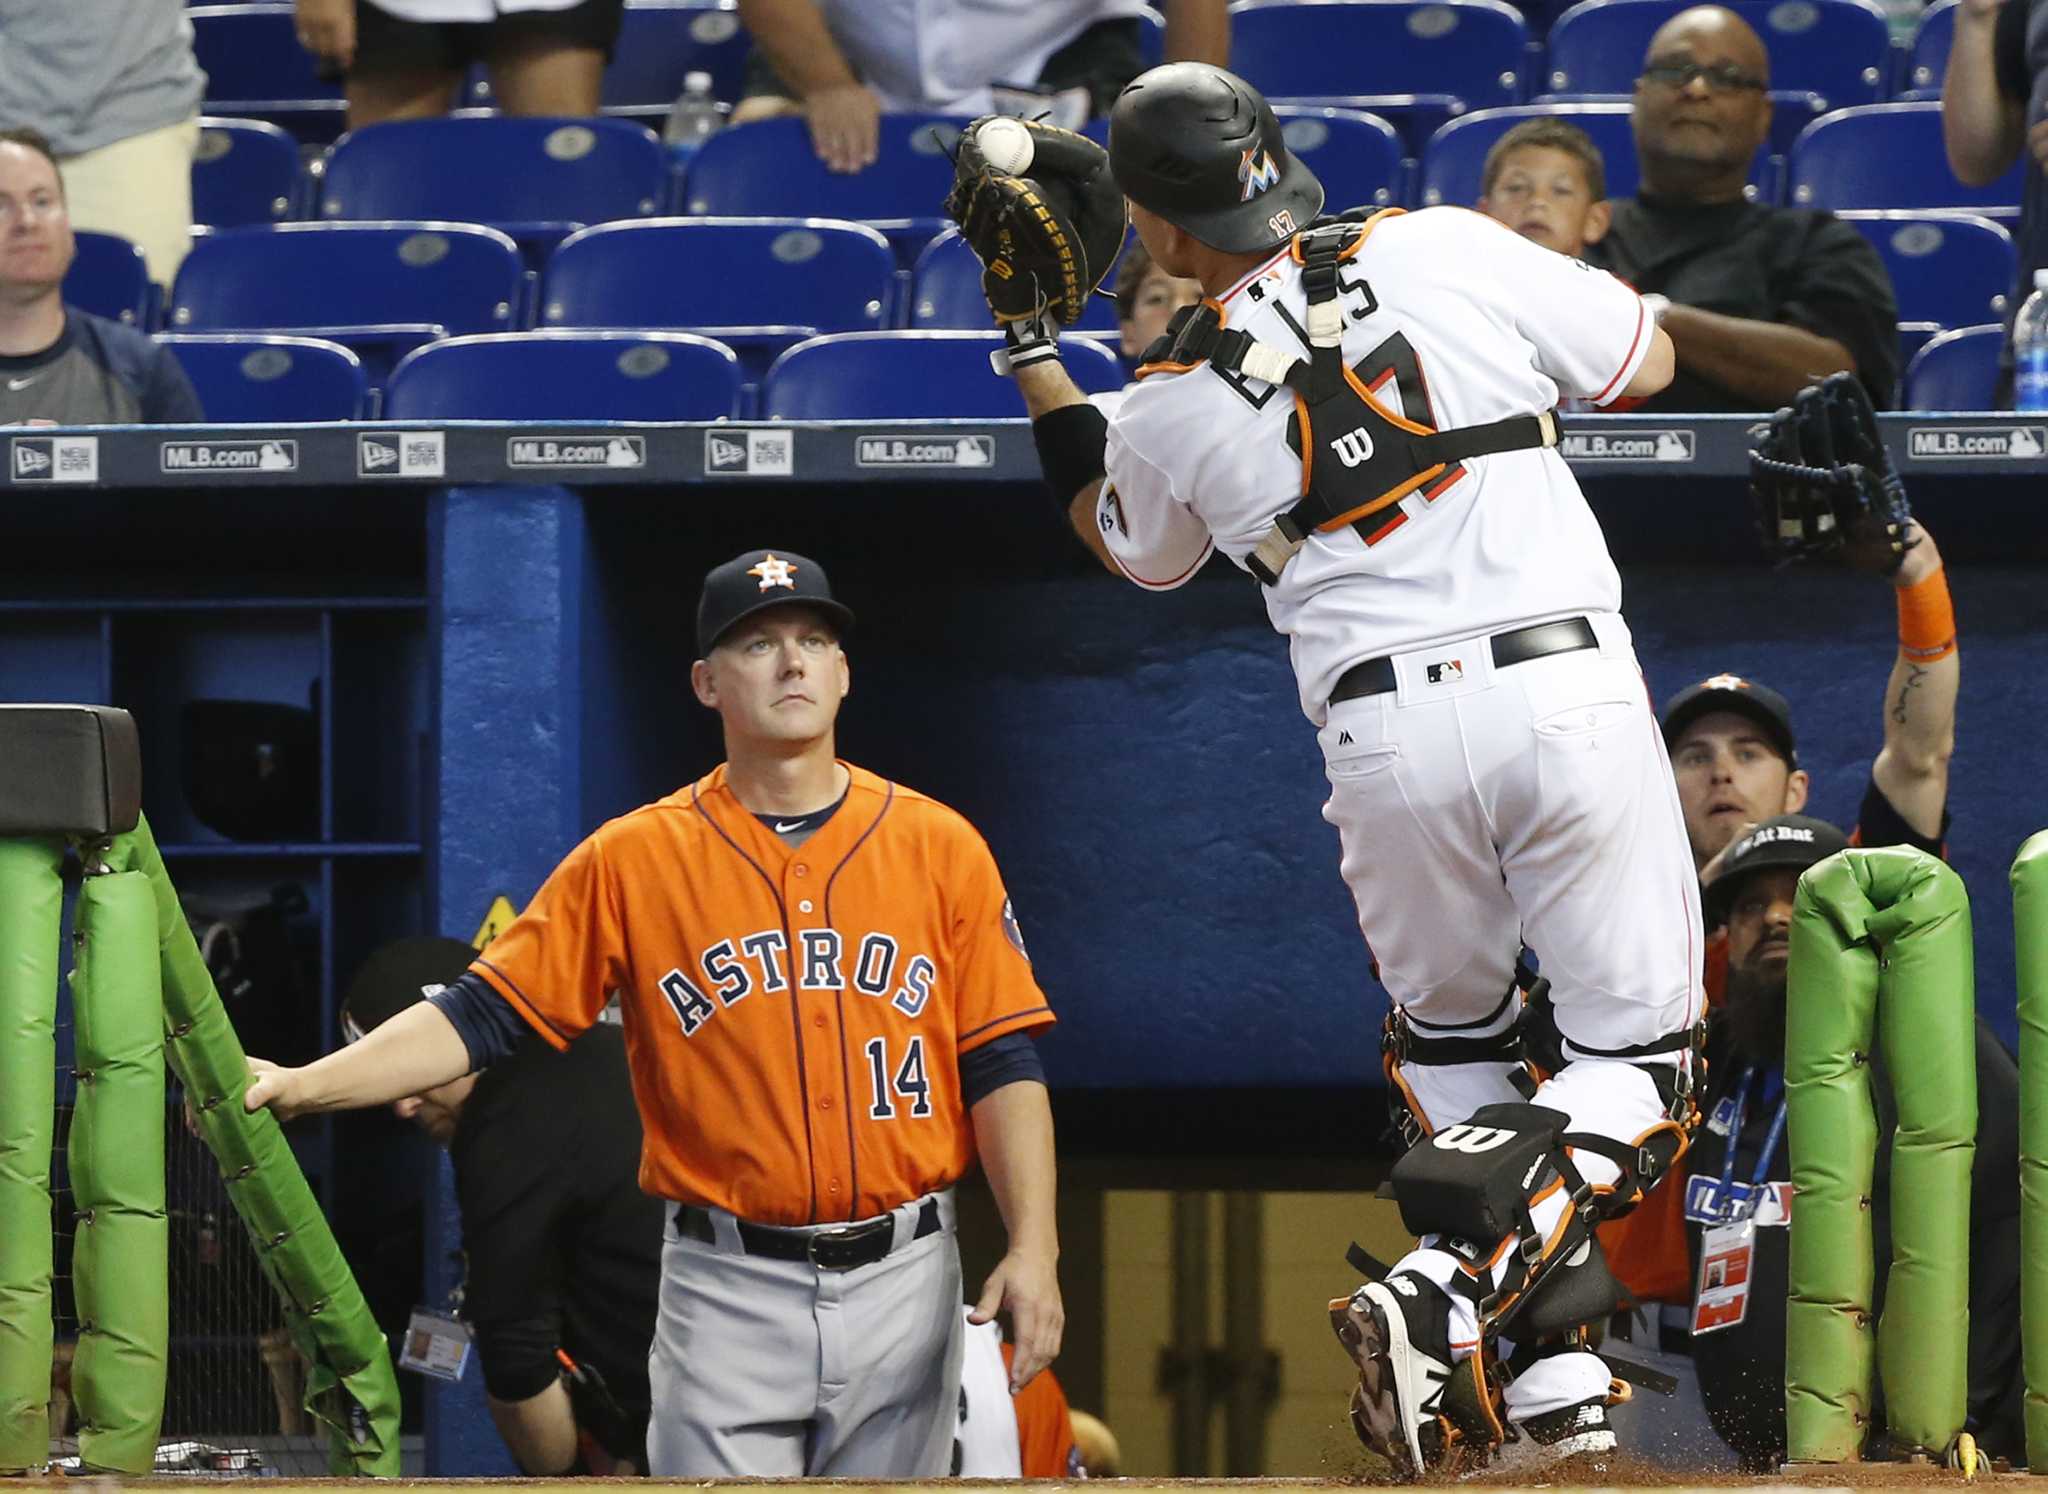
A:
[945,292]
[1886,156]
[1957,370]
[255,66]
[1839,49]
[495,170]
[566,376]
[1453,165]
[110,278]
[245,171]
[1953,269]
[1471,50]
[1356,155]
[913,376]
[1928,63]
[257,379]
[768,169]
[663,41]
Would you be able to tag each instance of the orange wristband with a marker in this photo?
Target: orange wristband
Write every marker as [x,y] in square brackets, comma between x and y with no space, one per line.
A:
[1927,619]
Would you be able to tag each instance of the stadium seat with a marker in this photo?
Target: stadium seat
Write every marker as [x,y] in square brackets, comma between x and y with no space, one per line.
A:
[1928,61]
[768,169]
[945,292]
[913,376]
[566,376]
[756,284]
[1333,51]
[1453,164]
[1952,269]
[110,278]
[1839,49]
[536,180]
[660,43]
[245,171]
[1885,156]
[256,68]
[1356,156]
[256,379]
[1956,371]
[380,288]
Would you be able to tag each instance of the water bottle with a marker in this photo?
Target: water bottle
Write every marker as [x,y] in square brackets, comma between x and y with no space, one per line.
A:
[694,117]
[2030,349]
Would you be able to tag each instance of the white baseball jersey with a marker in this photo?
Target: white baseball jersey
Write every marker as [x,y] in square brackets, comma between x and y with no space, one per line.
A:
[464,10]
[986,1444]
[942,55]
[1452,320]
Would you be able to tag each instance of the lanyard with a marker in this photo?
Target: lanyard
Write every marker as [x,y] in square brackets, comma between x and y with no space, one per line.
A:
[1770,1148]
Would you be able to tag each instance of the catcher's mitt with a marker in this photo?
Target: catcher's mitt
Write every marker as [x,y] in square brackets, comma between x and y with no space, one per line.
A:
[1047,235]
[1823,485]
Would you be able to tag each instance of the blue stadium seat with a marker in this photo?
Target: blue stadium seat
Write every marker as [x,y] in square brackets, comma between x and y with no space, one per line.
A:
[768,169]
[1887,156]
[537,180]
[246,171]
[1952,269]
[1928,61]
[1839,49]
[913,376]
[1956,371]
[1356,156]
[660,43]
[255,67]
[380,288]
[251,378]
[1456,157]
[110,278]
[945,292]
[566,376]
[1334,51]
[757,284]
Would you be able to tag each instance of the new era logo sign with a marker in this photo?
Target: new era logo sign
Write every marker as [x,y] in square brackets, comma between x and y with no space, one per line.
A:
[55,459]
[402,454]
[770,453]
[31,461]
[723,454]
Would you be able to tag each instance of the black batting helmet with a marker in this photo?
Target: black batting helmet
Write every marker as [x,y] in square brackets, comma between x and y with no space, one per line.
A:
[1201,148]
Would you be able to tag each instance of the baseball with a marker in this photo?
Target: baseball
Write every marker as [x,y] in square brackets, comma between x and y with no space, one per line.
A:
[1005,145]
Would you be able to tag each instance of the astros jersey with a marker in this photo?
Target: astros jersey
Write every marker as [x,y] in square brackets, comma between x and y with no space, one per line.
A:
[1452,320]
[794,1018]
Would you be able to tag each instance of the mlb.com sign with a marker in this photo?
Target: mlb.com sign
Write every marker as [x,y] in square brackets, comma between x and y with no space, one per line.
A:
[2013,442]
[1626,446]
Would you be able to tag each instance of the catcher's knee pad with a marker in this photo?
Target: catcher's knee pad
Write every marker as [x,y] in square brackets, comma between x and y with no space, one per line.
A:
[1404,1040]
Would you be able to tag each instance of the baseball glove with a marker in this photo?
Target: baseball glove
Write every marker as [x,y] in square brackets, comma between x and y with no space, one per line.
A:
[1823,485]
[1045,239]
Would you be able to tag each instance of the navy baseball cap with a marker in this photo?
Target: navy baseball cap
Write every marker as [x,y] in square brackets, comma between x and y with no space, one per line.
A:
[758,580]
[397,975]
[1794,841]
[1731,692]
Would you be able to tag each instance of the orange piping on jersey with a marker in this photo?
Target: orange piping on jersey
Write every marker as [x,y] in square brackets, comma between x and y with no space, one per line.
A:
[1642,314]
[1164,366]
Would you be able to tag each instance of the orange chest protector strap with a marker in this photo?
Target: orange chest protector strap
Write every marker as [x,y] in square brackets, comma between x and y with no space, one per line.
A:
[1357,456]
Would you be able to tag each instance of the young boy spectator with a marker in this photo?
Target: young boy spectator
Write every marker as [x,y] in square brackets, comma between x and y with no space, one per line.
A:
[1146,299]
[1546,180]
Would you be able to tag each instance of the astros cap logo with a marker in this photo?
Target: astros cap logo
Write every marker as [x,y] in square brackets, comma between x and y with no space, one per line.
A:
[1257,175]
[1725,682]
[773,572]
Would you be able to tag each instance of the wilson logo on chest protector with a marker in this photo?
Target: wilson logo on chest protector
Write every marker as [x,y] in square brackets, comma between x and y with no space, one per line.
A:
[1354,447]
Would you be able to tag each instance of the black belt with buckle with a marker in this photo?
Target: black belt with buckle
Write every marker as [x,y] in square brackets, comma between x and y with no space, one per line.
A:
[1516,646]
[839,1249]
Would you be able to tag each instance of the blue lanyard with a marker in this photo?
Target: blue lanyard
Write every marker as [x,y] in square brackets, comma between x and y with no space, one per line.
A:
[1763,1161]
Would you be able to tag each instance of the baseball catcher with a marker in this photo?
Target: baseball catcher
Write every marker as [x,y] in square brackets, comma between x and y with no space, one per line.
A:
[1823,485]
[1046,239]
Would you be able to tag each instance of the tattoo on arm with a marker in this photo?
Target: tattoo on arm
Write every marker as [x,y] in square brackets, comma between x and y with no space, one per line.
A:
[1915,674]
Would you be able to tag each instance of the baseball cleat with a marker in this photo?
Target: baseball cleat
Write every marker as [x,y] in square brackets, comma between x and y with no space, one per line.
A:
[1577,1441]
[1397,1331]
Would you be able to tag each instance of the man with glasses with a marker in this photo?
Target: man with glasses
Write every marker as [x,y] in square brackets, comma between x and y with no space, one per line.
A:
[1759,301]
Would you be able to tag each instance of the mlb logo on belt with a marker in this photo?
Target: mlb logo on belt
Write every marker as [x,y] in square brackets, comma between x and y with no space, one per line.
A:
[1447,673]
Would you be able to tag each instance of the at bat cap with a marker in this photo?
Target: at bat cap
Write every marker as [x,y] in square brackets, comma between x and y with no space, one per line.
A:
[1202,148]
[1789,842]
[1731,692]
[397,975]
[758,580]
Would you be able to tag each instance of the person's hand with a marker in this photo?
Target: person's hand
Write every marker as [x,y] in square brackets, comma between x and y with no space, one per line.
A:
[1713,867]
[2037,141]
[327,28]
[1980,10]
[1922,558]
[846,122]
[275,1087]
[1027,1284]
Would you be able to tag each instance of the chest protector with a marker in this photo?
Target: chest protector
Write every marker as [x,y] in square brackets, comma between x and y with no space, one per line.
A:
[1357,456]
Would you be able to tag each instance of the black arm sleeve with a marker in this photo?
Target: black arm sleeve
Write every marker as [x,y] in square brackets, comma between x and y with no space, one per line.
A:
[1878,824]
[991,1066]
[489,1025]
[2009,51]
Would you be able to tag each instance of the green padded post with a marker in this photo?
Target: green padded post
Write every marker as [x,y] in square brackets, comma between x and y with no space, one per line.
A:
[351,1387]
[1880,944]
[120,1261]
[31,924]
[2030,946]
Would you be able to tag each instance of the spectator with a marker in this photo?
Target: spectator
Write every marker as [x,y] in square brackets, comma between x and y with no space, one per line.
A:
[60,365]
[1752,896]
[1146,299]
[1759,301]
[114,89]
[563,1249]
[406,59]
[842,63]
[1991,92]
[1546,179]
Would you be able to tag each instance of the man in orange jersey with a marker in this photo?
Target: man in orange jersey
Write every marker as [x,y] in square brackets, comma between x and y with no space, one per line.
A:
[828,1014]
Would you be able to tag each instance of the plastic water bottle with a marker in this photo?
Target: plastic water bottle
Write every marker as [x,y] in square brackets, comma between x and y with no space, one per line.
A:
[2030,349]
[694,117]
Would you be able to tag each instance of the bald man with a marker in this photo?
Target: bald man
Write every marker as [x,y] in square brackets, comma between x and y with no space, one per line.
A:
[1761,300]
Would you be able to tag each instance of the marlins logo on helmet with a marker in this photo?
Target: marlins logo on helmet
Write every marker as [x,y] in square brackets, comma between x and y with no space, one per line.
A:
[1257,172]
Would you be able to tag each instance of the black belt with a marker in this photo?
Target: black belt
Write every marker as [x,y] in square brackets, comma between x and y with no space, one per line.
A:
[1516,646]
[839,1249]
